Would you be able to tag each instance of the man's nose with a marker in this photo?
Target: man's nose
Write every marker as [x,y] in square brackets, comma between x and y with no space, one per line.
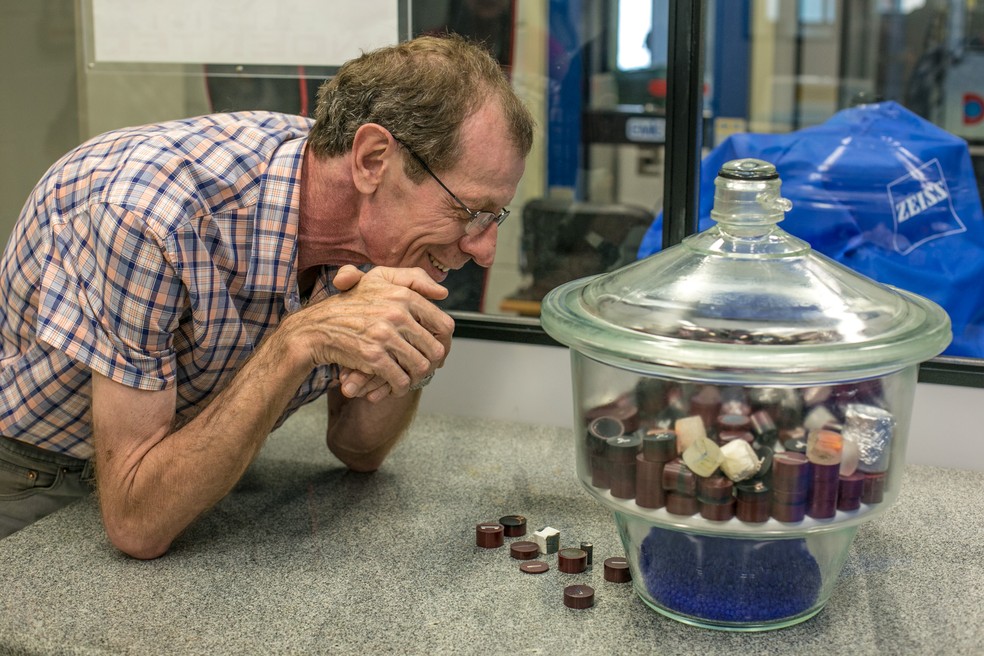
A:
[481,247]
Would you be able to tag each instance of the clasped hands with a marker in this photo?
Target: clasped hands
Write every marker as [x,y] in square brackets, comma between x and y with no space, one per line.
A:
[383,330]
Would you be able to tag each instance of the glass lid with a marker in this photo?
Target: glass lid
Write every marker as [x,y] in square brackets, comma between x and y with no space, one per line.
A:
[745,301]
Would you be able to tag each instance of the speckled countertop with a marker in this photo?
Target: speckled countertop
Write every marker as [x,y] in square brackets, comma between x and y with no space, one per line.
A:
[307,558]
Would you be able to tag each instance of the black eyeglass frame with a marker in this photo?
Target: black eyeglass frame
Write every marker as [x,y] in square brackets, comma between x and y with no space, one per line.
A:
[480,220]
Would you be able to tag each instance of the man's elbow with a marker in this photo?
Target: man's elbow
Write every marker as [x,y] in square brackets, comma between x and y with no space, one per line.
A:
[135,543]
[361,463]
[364,462]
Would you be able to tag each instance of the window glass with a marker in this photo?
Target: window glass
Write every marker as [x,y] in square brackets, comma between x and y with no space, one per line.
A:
[594,72]
[872,112]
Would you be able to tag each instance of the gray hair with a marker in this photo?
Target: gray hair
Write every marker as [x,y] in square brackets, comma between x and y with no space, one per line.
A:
[422,91]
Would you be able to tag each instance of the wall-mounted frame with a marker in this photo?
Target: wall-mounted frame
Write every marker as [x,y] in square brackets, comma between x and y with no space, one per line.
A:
[286,33]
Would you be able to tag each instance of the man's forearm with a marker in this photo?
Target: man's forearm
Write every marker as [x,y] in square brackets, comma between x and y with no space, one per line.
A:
[154,483]
[361,433]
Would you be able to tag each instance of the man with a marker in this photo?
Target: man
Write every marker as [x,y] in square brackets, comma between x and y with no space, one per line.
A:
[172,292]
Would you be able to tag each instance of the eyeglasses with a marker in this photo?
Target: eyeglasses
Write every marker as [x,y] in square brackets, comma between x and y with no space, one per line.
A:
[479,221]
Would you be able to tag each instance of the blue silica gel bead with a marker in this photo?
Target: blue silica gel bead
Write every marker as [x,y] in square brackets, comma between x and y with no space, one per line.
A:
[729,579]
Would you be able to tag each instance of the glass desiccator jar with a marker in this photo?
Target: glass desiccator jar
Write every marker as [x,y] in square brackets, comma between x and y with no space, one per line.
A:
[742,404]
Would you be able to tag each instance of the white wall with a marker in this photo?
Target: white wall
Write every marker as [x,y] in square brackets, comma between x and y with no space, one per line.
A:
[38,108]
[532,384]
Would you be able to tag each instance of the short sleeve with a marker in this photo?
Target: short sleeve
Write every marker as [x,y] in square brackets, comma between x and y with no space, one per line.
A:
[110,298]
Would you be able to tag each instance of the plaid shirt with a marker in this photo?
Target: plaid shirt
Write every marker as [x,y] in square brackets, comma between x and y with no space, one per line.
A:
[159,255]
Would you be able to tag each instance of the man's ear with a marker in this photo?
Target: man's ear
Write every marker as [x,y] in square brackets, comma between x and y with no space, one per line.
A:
[373,152]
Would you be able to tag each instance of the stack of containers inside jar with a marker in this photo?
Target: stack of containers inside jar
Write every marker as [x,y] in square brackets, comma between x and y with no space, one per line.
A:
[742,404]
[727,452]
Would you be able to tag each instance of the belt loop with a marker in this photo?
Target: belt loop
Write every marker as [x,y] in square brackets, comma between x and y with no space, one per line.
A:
[89,471]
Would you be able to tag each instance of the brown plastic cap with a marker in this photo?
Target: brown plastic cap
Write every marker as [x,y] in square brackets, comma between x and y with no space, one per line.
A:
[579,596]
[524,550]
[514,525]
[534,567]
[488,535]
[572,561]
[617,570]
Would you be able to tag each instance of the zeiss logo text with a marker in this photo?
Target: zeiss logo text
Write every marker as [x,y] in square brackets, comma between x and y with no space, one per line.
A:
[931,194]
[922,208]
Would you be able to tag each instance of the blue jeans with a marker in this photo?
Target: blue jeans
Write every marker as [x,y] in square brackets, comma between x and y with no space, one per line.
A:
[35,482]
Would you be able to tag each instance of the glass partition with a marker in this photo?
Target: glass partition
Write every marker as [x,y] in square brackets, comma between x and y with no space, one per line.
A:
[629,96]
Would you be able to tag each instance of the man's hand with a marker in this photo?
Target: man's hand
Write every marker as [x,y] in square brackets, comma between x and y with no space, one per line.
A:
[388,334]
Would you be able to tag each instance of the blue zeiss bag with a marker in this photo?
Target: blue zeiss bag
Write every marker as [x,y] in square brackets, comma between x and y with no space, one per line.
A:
[884,192]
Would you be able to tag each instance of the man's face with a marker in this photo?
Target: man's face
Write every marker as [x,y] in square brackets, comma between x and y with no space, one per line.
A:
[421,225]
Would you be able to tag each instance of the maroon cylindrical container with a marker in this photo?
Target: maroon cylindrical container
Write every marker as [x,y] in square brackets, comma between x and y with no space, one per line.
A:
[622,451]
[681,504]
[790,473]
[788,511]
[715,488]
[617,570]
[605,427]
[514,526]
[524,550]
[600,471]
[753,500]
[874,487]
[600,430]
[822,507]
[850,491]
[824,480]
[623,448]
[649,483]
[824,486]
[659,445]
[572,561]
[579,596]
[534,567]
[852,485]
[678,478]
[720,511]
[790,498]
[622,480]
[489,535]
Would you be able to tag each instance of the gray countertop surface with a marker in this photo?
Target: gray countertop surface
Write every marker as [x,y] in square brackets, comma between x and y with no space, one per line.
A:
[304,557]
